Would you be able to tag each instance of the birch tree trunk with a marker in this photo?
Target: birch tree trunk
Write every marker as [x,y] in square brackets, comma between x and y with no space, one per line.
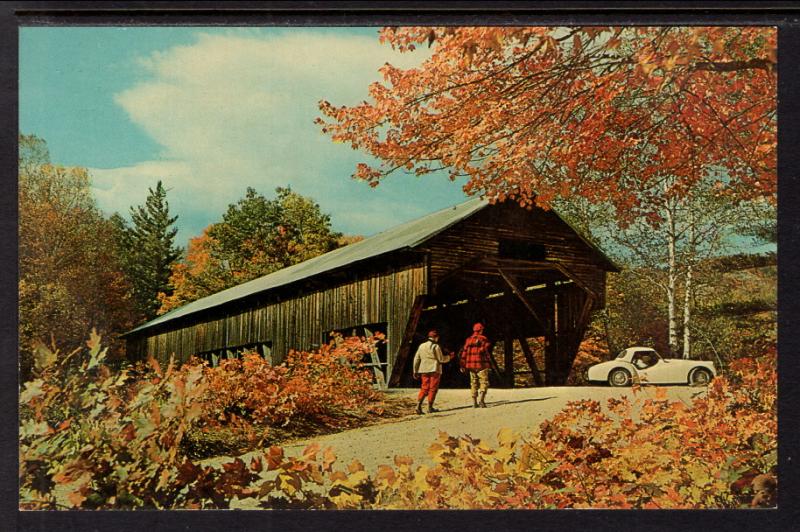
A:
[687,298]
[687,314]
[671,279]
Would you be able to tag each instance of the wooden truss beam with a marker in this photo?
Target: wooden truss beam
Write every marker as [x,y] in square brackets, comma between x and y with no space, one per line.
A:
[520,293]
[575,279]
[408,338]
[471,263]
[508,359]
[526,349]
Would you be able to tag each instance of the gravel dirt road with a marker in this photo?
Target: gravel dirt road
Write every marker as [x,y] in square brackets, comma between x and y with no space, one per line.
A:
[521,410]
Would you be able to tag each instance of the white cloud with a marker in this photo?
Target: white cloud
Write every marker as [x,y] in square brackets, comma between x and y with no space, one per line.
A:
[236,110]
[117,189]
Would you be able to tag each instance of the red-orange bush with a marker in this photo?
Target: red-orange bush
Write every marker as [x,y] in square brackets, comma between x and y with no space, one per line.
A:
[647,453]
[247,388]
[590,352]
[318,386]
[331,380]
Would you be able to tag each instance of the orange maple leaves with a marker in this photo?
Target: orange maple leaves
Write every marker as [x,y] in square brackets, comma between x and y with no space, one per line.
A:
[535,114]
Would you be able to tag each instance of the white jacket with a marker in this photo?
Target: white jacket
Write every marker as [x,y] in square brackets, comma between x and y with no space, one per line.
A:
[429,358]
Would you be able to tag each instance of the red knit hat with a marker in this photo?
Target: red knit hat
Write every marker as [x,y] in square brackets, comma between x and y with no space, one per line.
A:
[477,327]
[432,333]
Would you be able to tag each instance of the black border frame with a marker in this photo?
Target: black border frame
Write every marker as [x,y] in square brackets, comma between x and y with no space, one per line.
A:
[784,15]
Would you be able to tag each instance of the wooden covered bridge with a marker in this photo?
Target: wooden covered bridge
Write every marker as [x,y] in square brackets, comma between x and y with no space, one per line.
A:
[523,273]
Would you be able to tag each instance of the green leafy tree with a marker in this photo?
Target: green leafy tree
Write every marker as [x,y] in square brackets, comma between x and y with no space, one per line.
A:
[256,236]
[149,250]
[760,222]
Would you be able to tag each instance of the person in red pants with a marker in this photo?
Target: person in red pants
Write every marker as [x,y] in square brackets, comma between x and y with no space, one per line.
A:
[428,366]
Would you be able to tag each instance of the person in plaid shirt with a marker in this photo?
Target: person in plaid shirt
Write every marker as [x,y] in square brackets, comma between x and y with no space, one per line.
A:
[475,360]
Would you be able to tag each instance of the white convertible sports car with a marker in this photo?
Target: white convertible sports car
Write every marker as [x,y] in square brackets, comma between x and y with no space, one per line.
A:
[644,365]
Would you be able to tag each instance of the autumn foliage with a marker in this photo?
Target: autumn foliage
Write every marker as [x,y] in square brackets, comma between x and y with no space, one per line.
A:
[196,276]
[70,275]
[255,237]
[91,438]
[591,351]
[647,453]
[250,398]
[317,385]
[539,113]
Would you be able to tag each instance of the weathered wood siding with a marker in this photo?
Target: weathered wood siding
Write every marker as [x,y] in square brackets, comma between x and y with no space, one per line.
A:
[299,322]
[479,236]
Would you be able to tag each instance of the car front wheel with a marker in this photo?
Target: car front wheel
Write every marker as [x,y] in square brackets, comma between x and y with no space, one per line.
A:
[700,377]
[619,377]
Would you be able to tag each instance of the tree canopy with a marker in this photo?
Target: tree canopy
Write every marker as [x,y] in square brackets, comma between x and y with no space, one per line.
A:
[256,236]
[261,235]
[70,275]
[606,113]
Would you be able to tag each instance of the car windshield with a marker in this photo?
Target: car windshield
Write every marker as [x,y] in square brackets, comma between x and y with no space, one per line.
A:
[622,353]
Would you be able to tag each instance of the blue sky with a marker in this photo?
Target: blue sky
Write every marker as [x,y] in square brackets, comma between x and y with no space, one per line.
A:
[211,111]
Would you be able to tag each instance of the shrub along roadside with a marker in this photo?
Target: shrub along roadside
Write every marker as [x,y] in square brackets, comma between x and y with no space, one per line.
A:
[719,452]
[90,438]
[247,400]
[93,438]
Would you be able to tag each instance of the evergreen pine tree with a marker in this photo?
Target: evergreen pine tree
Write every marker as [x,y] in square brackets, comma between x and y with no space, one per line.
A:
[151,250]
